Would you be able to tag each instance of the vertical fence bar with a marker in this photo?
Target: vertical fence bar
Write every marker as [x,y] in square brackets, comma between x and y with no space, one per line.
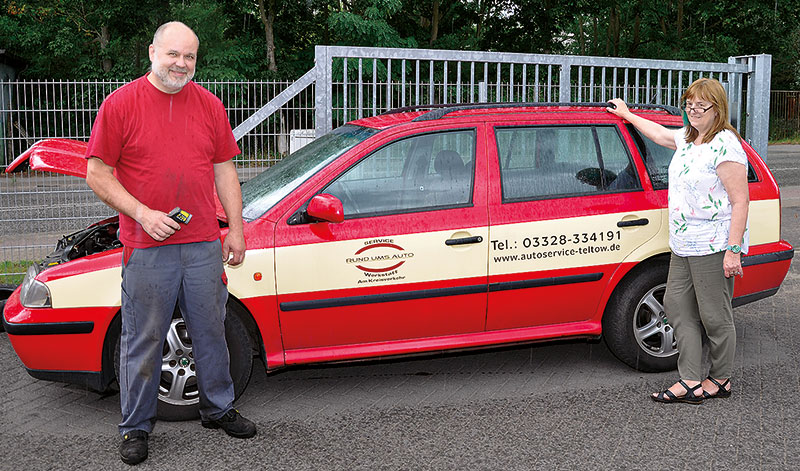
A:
[388,105]
[472,81]
[403,86]
[498,84]
[524,83]
[416,93]
[458,82]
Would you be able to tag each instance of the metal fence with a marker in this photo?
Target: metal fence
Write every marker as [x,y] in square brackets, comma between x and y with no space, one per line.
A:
[346,83]
[784,115]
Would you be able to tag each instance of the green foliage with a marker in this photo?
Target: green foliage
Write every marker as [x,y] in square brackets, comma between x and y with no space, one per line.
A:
[223,54]
[12,273]
[65,39]
[369,26]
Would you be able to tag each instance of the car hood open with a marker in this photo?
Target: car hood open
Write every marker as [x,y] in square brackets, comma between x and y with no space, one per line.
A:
[67,157]
[53,155]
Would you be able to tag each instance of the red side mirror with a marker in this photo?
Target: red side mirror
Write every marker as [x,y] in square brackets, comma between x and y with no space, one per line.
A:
[325,207]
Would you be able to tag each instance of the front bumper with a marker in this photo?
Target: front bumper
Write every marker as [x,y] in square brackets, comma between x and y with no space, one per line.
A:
[73,350]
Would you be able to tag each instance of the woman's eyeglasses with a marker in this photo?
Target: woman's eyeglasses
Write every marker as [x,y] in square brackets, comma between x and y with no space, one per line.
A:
[697,109]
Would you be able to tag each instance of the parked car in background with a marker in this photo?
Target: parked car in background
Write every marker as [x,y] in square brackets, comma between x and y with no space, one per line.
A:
[414,231]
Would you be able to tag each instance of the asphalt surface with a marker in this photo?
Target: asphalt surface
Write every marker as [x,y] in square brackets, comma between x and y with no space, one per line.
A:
[549,406]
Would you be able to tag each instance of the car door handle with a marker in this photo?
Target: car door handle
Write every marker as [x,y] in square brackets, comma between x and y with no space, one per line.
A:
[464,240]
[633,222]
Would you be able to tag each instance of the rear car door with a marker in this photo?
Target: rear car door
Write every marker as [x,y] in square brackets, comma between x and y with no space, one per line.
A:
[568,209]
[408,262]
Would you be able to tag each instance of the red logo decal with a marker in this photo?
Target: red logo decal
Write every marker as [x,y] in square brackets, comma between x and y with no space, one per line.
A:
[379,256]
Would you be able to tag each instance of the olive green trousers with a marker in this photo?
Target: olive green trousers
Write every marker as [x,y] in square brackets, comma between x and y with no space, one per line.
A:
[697,302]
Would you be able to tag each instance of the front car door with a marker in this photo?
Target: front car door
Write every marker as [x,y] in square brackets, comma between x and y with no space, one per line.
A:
[409,261]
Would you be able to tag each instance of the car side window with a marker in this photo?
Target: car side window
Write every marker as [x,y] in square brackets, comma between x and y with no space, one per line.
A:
[547,161]
[657,158]
[417,173]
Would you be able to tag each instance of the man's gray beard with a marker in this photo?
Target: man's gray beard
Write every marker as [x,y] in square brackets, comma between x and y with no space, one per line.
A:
[163,76]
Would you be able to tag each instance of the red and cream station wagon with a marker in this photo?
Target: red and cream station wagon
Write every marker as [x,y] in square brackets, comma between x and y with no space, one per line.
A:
[413,231]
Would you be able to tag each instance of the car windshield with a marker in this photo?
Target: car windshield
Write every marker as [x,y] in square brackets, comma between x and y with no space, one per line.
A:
[270,186]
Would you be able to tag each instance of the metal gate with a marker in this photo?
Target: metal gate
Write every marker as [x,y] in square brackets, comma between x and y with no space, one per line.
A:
[353,82]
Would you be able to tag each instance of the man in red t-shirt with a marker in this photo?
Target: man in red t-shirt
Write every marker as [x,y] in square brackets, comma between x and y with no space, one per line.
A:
[160,142]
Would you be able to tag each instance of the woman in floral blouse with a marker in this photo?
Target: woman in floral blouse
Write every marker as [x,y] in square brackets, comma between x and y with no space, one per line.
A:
[708,203]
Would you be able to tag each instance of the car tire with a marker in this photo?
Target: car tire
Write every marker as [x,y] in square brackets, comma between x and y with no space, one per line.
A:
[5,292]
[634,325]
[184,404]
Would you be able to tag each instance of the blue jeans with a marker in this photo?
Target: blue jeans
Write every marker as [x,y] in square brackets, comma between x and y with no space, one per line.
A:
[153,280]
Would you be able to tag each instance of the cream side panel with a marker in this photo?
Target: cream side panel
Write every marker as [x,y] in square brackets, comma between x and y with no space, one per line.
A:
[658,244]
[568,243]
[94,289]
[242,281]
[764,221]
[102,288]
[383,261]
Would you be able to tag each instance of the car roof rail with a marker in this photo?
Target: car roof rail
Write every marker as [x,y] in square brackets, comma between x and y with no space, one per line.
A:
[441,111]
[406,109]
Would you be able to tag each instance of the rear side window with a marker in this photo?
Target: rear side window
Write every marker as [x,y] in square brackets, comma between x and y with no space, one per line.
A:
[417,173]
[657,158]
[547,161]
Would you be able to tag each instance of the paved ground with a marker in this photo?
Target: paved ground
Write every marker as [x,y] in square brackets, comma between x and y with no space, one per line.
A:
[554,406]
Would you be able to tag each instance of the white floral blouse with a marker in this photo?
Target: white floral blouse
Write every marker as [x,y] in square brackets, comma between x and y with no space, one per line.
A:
[699,209]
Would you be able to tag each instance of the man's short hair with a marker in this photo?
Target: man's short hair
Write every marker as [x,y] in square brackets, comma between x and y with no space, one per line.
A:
[160,31]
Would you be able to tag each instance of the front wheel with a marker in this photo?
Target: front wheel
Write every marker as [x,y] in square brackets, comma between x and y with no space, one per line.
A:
[635,327]
[178,393]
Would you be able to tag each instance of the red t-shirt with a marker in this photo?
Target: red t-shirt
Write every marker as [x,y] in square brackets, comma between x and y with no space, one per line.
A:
[163,147]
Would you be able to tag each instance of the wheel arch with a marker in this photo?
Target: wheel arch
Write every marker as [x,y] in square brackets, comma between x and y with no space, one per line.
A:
[250,324]
[113,331]
[646,264]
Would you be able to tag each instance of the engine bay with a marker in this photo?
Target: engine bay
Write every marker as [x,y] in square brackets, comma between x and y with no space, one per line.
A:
[96,238]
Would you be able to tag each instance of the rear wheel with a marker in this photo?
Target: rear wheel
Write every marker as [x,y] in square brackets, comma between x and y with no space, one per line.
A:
[635,327]
[178,394]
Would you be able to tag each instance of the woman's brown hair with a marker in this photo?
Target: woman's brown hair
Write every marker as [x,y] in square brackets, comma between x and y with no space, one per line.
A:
[709,90]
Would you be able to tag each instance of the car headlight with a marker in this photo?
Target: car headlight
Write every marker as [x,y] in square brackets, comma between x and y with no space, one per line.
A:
[34,293]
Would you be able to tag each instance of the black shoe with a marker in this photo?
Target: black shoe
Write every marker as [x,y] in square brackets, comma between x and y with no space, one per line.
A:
[233,424]
[133,449]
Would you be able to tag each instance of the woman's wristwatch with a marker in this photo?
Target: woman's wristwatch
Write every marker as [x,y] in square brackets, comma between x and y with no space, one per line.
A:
[735,248]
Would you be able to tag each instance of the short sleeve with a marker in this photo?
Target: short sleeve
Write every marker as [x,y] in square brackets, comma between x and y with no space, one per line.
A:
[105,141]
[225,143]
[731,149]
[680,138]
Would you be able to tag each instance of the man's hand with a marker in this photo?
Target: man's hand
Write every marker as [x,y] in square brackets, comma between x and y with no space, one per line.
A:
[233,248]
[156,223]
